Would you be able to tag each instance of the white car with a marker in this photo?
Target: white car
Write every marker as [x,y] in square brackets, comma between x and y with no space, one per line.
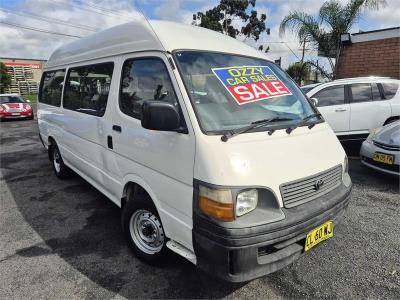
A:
[355,106]
[381,150]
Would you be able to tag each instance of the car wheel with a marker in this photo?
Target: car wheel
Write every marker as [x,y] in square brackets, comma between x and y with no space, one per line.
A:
[60,169]
[143,229]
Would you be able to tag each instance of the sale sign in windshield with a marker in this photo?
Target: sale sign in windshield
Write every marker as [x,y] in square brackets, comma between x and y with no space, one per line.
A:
[252,83]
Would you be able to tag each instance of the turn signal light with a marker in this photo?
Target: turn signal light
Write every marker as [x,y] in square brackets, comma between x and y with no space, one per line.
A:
[216,203]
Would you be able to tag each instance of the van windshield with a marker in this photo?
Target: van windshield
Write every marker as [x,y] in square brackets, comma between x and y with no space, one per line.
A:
[231,91]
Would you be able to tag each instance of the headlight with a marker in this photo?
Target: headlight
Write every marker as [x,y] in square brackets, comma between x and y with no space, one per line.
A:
[246,201]
[373,133]
[216,203]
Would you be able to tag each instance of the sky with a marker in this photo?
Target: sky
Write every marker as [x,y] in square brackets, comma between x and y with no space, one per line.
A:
[81,18]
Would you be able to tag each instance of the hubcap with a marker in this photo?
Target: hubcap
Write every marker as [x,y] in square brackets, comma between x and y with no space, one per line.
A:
[146,231]
[56,160]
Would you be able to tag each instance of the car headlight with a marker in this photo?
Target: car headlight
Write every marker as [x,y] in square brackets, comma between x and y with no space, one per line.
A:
[372,134]
[216,203]
[246,202]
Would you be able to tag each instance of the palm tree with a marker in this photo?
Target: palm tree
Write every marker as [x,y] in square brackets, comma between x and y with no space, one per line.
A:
[298,71]
[324,30]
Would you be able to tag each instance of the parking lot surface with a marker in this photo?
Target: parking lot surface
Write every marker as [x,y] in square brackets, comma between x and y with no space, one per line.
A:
[62,239]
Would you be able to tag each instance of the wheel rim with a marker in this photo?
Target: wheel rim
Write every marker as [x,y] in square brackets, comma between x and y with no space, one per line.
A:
[56,160]
[146,231]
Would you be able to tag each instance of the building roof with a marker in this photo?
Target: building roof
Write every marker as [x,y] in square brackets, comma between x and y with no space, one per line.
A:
[374,35]
[147,36]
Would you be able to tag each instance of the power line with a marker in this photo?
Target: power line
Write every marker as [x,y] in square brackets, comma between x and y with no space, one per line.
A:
[48,19]
[82,7]
[38,29]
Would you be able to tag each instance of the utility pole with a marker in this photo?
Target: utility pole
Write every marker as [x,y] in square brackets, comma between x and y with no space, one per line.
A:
[304,50]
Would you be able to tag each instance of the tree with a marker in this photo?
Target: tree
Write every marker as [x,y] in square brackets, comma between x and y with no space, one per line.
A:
[228,14]
[5,78]
[299,71]
[323,31]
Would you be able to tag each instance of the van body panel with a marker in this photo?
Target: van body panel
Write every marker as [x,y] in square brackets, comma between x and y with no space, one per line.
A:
[163,160]
[259,159]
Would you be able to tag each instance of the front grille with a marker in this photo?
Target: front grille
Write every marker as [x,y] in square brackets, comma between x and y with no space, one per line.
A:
[387,147]
[306,189]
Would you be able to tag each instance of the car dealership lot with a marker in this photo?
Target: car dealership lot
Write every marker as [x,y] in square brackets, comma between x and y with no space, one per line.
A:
[62,239]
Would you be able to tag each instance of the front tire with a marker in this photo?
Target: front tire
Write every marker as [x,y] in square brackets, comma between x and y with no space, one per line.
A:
[60,169]
[143,229]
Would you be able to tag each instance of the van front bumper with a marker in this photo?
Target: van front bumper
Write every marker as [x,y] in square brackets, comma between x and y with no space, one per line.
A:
[242,254]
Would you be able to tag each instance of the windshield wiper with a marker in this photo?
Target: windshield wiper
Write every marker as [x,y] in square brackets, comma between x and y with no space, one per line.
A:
[304,121]
[252,125]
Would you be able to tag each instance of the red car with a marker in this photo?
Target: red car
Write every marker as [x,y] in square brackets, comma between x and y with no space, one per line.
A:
[12,106]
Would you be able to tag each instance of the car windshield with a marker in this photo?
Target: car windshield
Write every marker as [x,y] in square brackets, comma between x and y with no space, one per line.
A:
[231,91]
[307,88]
[11,99]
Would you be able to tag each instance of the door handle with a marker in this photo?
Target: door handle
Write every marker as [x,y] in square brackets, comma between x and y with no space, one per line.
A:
[117,128]
[340,109]
[110,142]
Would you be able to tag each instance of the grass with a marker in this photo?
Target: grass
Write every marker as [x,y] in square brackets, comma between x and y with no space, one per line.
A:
[31,98]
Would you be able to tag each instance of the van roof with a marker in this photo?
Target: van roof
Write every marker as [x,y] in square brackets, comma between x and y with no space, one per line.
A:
[140,36]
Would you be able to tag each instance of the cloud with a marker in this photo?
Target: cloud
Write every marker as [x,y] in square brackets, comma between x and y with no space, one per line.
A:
[30,44]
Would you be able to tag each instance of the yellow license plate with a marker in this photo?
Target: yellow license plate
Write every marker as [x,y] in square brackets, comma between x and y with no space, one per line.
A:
[383,158]
[319,234]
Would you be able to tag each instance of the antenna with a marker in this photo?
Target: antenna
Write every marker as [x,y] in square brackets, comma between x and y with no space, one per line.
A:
[148,22]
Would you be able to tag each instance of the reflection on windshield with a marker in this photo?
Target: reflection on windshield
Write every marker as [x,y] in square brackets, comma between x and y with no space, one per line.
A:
[231,91]
[11,99]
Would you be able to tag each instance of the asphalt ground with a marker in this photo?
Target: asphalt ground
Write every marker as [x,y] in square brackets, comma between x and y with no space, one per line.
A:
[62,240]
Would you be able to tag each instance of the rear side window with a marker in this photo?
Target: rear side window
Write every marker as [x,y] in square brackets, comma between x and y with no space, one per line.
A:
[87,88]
[51,87]
[361,92]
[142,80]
[330,96]
[390,89]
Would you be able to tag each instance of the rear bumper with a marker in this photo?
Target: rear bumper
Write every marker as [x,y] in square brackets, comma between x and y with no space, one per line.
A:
[243,254]
[21,115]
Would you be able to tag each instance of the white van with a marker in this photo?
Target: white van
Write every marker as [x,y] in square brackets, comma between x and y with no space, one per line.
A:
[209,148]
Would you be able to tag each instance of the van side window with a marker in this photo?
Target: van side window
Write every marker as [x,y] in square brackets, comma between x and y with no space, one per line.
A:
[361,92]
[390,89]
[51,87]
[87,88]
[144,79]
[330,96]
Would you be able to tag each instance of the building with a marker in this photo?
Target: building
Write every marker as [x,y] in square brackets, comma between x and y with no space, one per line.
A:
[25,74]
[370,53]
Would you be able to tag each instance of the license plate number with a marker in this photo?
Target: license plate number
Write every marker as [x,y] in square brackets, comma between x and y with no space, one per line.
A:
[319,234]
[15,114]
[383,158]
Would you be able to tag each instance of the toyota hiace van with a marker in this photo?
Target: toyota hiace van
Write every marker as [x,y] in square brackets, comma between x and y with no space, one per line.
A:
[208,147]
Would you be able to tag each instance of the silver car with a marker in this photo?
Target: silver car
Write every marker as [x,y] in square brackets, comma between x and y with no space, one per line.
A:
[381,150]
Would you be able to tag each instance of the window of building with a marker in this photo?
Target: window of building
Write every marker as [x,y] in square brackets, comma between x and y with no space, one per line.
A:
[88,87]
[142,80]
[51,87]
[330,96]
[361,92]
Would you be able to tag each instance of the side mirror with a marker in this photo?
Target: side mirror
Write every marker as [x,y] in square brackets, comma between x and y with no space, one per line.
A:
[158,115]
[314,101]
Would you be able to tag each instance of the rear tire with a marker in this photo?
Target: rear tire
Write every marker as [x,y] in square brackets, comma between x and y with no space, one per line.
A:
[60,169]
[143,229]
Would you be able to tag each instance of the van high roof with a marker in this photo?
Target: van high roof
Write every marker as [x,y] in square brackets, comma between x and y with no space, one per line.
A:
[139,36]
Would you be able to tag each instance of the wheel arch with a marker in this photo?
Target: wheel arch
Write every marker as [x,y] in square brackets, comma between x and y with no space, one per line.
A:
[50,141]
[134,184]
[391,119]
